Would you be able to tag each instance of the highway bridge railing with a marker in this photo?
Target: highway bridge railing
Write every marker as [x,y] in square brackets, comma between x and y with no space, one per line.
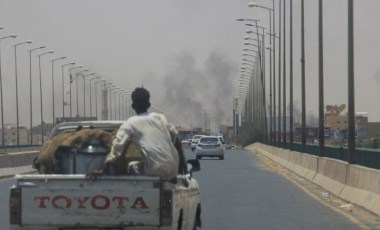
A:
[363,156]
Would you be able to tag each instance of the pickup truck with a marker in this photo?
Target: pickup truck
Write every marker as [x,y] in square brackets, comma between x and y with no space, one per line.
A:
[72,201]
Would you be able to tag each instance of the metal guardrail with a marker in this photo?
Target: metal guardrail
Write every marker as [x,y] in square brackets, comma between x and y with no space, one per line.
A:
[365,157]
[20,148]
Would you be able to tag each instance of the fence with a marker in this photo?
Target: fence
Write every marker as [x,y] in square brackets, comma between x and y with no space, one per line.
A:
[365,157]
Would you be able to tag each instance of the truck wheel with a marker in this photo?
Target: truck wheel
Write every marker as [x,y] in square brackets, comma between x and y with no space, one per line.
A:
[197,219]
[221,158]
[179,224]
[195,225]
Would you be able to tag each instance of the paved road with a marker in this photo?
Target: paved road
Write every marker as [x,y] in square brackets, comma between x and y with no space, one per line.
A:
[238,193]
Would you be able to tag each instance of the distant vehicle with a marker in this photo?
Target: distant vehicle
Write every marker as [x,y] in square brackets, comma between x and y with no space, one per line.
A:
[189,138]
[209,146]
[194,141]
[221,139]
[229,146]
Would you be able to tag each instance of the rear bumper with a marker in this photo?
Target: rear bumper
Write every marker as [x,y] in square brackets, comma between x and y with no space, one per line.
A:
[210,153]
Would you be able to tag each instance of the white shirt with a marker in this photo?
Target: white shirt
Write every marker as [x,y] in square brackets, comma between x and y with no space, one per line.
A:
[151,132]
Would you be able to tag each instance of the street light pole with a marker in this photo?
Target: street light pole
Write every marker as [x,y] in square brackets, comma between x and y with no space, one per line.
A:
[115,92]
[52,85]
[91,93]
[273,36]
[109,92]
[351,88]
[42,115]
[96,97]
[16,82]
[279,73]
[291,75]
[71,81]
[63,89]
[303,97]
[77,85]
[321,96]
[1,93]
[84,92]
[271,136]
[30,91]
[284,82]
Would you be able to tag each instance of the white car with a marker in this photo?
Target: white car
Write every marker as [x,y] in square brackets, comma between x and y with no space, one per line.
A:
[209,146]
[194,141]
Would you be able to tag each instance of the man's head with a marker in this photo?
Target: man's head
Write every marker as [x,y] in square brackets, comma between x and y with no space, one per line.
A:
[140,100]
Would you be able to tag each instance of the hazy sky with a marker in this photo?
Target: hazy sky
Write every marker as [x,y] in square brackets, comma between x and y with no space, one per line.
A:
[187,53]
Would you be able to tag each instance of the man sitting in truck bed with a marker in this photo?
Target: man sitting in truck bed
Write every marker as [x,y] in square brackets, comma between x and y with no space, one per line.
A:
[152,135]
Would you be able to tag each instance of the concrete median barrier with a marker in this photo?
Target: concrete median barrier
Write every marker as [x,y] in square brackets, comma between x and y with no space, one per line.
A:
[363,187]
[310,163]
[331,175]
[356,184]
[23,158]
[17,163]
[6,161]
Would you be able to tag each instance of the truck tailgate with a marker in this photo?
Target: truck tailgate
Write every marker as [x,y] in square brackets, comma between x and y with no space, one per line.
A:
[75,200]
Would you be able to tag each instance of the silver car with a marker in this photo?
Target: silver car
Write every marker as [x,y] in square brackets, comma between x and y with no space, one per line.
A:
[209,146]
[194,141]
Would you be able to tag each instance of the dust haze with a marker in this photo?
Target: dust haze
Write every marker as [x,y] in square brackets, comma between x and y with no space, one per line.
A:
[189,88]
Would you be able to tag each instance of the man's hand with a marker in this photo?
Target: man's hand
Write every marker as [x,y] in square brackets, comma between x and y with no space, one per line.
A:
[95,174]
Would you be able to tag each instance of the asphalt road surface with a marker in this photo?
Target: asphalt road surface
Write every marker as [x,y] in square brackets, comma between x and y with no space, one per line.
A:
[239,193]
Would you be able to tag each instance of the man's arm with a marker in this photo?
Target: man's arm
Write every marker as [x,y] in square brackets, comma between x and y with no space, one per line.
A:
[118,144]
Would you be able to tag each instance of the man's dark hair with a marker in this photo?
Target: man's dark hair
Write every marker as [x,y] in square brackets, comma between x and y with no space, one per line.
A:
[140,100]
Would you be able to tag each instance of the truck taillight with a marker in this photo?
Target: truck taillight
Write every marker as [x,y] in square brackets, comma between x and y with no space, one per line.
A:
[166,207]
[15,206]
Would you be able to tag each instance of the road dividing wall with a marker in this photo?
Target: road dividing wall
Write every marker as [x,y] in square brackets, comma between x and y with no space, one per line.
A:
[357,184]
[331,175]
[16,163]
[310,163]
[363,187]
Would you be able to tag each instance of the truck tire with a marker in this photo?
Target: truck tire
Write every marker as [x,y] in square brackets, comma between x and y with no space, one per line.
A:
[197,220]
[195,225]
[221,158]
[179,224]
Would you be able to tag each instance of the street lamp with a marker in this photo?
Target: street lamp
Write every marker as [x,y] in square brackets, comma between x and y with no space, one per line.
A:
[42,116]
[30,91]
[84,92]
[249,38]
[1,92]
[71,80]
[250,50]
[272,68]
[91,93]
[117,90]
[63,88]
[52,84]
[125,95]
[77,83]
[109,88]
[96,96]
[17,114]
